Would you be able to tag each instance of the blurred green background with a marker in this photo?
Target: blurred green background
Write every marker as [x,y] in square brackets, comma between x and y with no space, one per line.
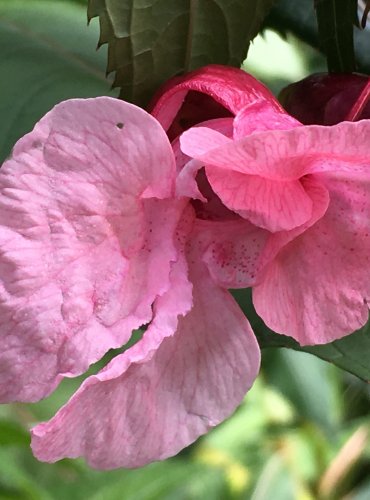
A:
[302,432]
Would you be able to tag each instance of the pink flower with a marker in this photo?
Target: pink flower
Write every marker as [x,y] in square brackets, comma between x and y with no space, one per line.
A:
[307,186]
[106,227]
[95,242]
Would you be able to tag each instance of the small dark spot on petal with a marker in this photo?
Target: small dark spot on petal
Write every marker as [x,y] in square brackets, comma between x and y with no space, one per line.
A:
[37,144]
[119,125]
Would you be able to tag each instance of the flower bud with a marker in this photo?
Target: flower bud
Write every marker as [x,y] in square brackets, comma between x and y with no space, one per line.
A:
[325,99]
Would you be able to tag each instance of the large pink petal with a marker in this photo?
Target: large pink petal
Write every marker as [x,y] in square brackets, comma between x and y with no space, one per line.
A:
[230,87]
[318,287]
[145,408]
[84,252]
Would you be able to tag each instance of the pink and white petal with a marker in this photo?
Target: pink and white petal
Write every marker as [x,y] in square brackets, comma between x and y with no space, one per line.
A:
[318,287]
[260,116]
[230,87]
[80,252]
[269,204]
[145,408]
[232,251]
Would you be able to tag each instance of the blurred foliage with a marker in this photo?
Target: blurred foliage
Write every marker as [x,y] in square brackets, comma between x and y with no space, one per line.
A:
[293,438]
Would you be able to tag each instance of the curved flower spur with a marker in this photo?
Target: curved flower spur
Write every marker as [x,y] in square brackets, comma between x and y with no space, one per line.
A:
[307,186]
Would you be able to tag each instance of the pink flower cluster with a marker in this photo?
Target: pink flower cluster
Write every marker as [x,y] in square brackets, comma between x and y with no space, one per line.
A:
[106,226]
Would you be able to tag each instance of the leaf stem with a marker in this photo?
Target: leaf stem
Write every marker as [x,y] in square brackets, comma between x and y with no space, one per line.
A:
[189,43]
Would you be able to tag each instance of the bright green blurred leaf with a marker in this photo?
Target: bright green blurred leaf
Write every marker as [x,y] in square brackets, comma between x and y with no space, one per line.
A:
[275,482]
[161,481]
[15,480]
[47,55]
[12,433]
[308,383]
[153,40]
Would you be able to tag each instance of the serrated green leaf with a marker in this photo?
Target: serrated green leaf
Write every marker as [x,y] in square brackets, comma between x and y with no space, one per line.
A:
[351,353]
[150,41]
[335,20]
[47,55]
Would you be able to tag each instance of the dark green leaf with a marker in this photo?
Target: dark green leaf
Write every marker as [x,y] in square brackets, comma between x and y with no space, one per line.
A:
[335,19]
[351,353]
[152,40]
[47,55]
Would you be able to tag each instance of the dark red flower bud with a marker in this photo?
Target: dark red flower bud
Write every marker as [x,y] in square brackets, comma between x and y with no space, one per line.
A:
[328,99]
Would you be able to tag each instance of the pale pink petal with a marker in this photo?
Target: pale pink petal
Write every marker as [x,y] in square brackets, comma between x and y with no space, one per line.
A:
[199,140]
[230,87]
[260,116]
[234,251]
[82,256]
[320,201]
[318,287]
[186,184]
[272,205]
[145,408]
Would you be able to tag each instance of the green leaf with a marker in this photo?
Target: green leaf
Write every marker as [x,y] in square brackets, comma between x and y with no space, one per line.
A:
[351,353]
[173,479]
[11,433]
[47,55]
[275,481]
[335,19]
[309,384]
[152,40]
